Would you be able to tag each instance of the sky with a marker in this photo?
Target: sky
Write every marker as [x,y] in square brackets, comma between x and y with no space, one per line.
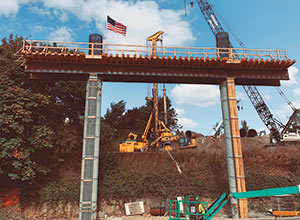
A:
[260,24]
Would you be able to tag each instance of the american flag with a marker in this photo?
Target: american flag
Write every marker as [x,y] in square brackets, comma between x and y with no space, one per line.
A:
[116,26]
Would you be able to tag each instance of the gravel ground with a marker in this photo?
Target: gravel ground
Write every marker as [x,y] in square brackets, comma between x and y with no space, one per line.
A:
[216,218]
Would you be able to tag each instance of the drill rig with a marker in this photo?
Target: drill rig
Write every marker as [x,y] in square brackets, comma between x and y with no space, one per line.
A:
[162,137]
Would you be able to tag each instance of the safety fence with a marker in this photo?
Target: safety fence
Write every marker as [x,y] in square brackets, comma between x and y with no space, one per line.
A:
[97,49]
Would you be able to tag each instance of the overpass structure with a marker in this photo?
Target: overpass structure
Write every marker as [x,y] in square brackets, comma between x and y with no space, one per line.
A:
[97,63]
[134,63]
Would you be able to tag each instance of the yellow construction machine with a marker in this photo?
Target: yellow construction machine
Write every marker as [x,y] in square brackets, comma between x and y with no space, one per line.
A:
[165,141]
[161,137]
[132,144]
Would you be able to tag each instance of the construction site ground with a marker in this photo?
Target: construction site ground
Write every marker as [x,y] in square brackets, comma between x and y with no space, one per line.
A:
[204,173]
[217,218]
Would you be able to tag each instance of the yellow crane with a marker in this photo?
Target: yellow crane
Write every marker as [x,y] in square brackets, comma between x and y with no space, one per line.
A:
[154,39]
[162,136]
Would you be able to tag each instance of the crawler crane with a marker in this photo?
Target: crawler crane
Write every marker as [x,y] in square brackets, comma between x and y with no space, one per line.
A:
[279,131]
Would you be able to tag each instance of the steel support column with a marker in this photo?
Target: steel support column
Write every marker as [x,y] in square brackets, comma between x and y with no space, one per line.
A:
[90,152]
[155,108]
[229,149]
[233,141]
[237,146]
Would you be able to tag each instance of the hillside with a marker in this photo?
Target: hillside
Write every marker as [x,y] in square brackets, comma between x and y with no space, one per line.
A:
[153,177]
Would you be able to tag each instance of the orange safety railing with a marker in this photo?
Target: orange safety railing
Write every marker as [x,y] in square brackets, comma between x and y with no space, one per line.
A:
[145,50]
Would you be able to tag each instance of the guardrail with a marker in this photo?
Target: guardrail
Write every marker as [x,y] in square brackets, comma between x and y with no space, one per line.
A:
[94,49]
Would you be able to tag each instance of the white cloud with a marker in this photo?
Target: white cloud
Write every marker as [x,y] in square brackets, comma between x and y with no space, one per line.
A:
[11,7]
[187,124]
[62,34]
[266,96]
[142,18]
[38,28]
[296,93]
[285,111]
[196,95]
[241,96]
[61,15]
[39,11]
[293,77]
[179,111]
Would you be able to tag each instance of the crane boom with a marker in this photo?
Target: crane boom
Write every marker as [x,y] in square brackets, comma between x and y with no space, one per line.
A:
[154,38]
[252,91]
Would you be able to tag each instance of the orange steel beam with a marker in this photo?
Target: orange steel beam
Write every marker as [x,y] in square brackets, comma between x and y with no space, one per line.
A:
[286,213]
[237,147]
[156,69]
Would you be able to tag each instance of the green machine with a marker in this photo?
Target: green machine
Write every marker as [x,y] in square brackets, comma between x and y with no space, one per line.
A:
[188,209]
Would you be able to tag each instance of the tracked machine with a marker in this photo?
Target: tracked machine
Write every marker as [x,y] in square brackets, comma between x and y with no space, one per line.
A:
[161,137]
[279,133]
[164,141]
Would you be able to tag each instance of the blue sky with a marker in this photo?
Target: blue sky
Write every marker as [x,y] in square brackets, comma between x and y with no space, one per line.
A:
[266,24]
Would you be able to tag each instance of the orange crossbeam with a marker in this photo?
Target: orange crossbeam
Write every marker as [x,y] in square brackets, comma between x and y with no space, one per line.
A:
[165,69]
[286,213]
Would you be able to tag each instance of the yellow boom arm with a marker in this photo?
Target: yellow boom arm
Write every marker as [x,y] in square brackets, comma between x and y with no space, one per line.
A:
[144,137]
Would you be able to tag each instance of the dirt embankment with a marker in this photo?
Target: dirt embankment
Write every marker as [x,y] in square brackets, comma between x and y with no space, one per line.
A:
[153,177]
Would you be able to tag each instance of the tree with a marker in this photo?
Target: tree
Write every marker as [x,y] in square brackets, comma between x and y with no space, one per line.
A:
[118,122]
[112,127]
[33,117]
[244,125]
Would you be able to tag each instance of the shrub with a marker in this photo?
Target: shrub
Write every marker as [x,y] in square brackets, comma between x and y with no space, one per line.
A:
[61,192]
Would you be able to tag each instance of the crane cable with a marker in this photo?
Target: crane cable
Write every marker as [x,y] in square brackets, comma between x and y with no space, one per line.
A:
[228,27]
[286,98]
[269,104]
[244,46]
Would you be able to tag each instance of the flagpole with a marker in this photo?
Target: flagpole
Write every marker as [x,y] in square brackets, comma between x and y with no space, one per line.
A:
[106,36]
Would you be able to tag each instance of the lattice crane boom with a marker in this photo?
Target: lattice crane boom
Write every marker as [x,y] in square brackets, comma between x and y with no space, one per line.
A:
[252,92]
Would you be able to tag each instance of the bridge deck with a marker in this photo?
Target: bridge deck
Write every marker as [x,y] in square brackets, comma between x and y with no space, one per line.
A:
[133,63]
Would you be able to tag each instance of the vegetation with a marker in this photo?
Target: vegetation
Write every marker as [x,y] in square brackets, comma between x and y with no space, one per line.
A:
[56,192]
[40,119]
[244,125]
[134,176]
[41,122]
[118,122]
[32,119]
